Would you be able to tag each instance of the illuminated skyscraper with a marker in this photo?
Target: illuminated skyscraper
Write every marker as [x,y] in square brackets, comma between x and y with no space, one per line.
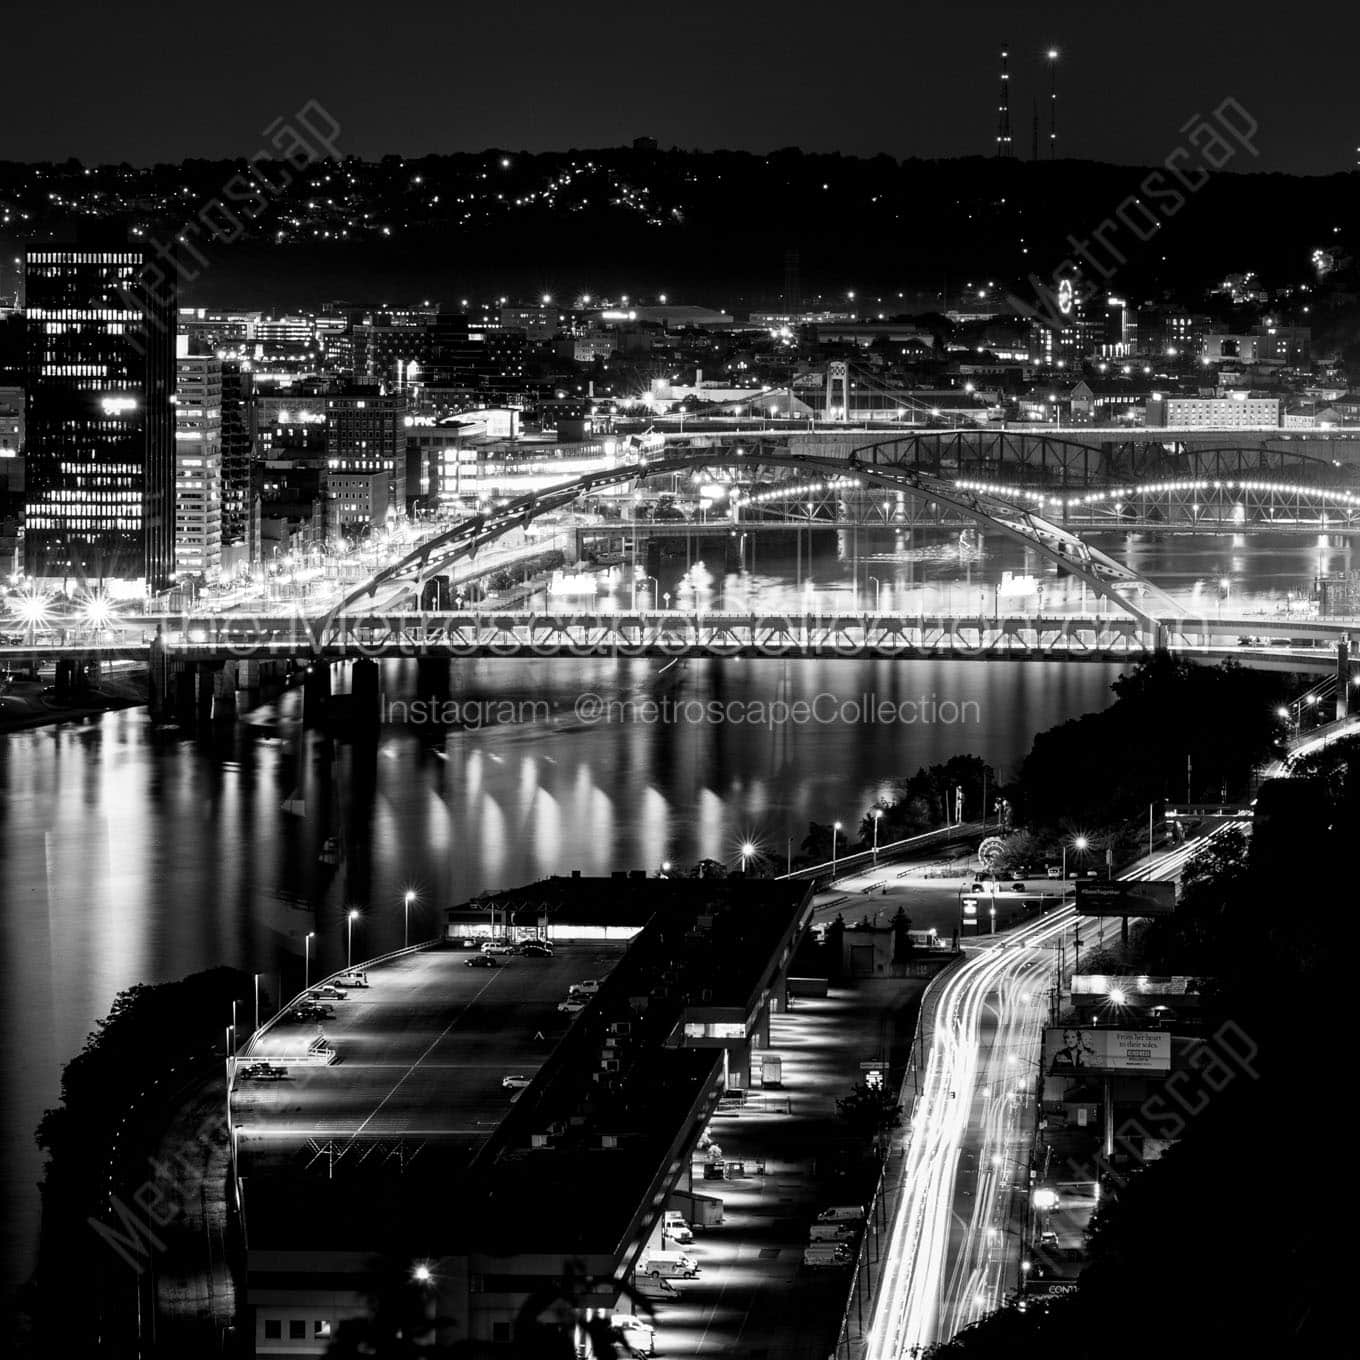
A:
[198,466]
[238,447]
[100,375]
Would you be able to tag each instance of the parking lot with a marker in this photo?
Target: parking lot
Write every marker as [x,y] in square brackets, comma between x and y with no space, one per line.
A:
[754,1297]
[423,1050]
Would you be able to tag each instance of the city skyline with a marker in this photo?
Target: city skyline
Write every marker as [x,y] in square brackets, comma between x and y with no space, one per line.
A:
[635,721]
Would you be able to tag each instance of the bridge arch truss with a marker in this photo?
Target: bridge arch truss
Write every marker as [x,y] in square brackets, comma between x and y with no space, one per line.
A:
[1051,459]
[1104,575]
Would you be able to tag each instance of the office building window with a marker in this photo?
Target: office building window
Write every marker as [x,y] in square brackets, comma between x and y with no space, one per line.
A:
[297,1329]
[273,1329]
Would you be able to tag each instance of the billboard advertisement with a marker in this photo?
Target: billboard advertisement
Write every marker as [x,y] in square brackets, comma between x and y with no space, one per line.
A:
[1135,897]
[1105,1050]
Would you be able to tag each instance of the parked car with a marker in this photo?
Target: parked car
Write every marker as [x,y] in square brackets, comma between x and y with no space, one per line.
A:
[536,949]
[655,1288]
[313,1010]
[842,1213]
[1017,887]
[355,980]
[571,1006]
[497,947]
[263,1072]
[328,993]
[515,1081]
[637,1333]
[587,988]
[481,961]
[832,1232]
[818,1254]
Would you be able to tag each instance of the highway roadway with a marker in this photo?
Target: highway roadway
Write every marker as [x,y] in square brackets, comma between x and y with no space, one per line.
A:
[951,1257]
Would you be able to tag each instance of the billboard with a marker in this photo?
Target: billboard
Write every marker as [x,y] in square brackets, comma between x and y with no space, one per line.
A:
[1134,897]
[1105,1050]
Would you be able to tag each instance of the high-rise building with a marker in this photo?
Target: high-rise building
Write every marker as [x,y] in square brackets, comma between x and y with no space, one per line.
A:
[100,374]
[366,432]
[238,447]
[198,466]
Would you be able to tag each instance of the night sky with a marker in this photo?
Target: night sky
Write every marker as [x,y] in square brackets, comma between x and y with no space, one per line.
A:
[145,82]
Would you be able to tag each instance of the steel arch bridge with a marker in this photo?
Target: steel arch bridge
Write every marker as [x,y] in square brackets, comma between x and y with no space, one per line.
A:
[1182,506]
[1041,459]
[1103,574]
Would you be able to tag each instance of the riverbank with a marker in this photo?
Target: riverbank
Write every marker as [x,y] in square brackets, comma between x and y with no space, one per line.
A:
[26,704]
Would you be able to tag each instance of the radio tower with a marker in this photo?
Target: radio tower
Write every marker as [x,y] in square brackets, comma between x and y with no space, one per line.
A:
[1052,103]
[1003,111]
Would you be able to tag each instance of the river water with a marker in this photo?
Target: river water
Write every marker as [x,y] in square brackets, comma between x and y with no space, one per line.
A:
[133,855]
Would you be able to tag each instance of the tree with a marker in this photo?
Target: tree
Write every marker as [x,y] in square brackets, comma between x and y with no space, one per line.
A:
[869,1111]
[817,843]
[707,868]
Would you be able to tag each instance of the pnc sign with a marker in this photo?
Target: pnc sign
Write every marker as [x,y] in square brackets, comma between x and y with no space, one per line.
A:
[1066,296]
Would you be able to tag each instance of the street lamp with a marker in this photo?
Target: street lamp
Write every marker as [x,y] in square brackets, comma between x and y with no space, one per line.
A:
[257,1003]
[1079,843]
[349,938]
[307,960]
[878,593]
[406,930]
[878,817]
[835,832]
[748,851]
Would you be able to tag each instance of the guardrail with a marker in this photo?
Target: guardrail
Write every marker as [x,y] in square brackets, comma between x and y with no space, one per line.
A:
[879,1211]
[249,1049]
[844,864]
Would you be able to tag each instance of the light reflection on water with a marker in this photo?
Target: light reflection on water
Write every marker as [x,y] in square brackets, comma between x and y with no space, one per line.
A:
[130,856]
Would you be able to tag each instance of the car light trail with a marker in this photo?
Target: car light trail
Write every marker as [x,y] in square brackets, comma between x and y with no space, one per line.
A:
[942,1272]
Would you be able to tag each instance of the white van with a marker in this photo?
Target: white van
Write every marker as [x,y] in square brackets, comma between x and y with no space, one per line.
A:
[832,1232]
[842,1213]
[672,1265]
[818,1254]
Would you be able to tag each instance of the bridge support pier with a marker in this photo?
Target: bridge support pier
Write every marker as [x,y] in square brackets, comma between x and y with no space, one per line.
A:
[224,691]
[316,689]
[432,678]
[1343,678]
[182,704]
[207,690]
[365,693]
[158,678]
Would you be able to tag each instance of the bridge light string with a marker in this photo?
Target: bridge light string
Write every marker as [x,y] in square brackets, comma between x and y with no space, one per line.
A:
[1346,498]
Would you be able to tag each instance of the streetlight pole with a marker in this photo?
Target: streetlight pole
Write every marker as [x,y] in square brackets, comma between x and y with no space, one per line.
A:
[878,594]
[406,931]
[349,939]
[835,832]
[1078,843]
[307,960]
[257,1002]
[878,817]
